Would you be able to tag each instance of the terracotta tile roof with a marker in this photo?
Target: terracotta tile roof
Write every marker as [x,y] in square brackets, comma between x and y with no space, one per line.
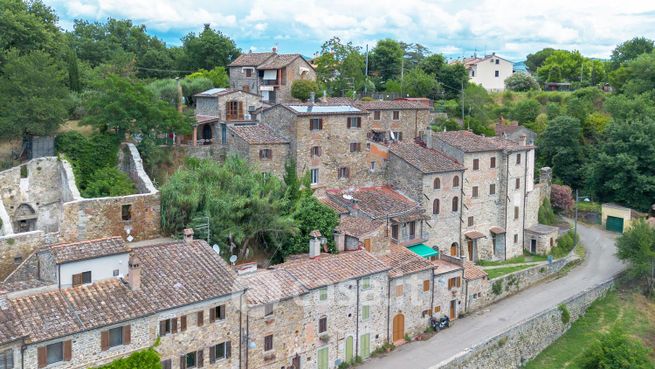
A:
[358,226]
[22,285]
[424,159]
[202,119]
[258,134]
[472,271]
[172,274]
[507,128]
[393,105]
[474,235]
[9,328]
[442,266]
[542,229]
[318,108]
[376,202]
[328,269]
[270,285]
[278,61]
[250,59]
[68,252]
[402,262]
[467,141]
[335,206]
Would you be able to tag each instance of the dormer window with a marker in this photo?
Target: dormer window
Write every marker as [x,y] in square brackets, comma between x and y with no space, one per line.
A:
[81,278]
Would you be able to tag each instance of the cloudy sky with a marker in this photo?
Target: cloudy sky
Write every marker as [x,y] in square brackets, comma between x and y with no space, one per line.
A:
[511,28]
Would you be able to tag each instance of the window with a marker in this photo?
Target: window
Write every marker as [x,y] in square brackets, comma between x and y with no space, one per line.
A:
[54,353]
[426,285]
[220,351]
[167,326]
[456,181]
[475,191]
[497,61]
[190,360]
[7,359]
[217,313]
[437,309]
[167,364]
[126,212]
[315,151]
[200,318]
[366,283]
[518,183]
[396,135]
[516,237]
[472,73]
[455,203]
[492,189]
[394,231]
[81,278]
[492,162]
[355,146]
[516,212]
[518,159]
[315,124]
[476,164]
[314,175]
[344,173]
[234,110]
[454,282]
[248,72]
[400,289]
[412,230]
[115,336]
[323,294]
[265,154]
[372,166]
[268,309]
[354,122]
[396,115]
[437,184]
[470,221]
[435,206]
[245,88]
[376,115]
[268,343]
[322,325]
[366,311]
[115,272]
[497,74]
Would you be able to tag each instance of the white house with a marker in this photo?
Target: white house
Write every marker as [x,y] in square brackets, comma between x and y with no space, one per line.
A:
[490,71]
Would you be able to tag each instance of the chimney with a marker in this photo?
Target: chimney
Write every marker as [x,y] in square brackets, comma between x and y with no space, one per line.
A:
[312,97]
[188,235]
[523,140]
[274,49]
[134,272]
[315,244]
[545,175]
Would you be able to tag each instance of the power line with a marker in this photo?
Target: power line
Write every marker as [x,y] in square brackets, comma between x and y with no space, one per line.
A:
[165,70]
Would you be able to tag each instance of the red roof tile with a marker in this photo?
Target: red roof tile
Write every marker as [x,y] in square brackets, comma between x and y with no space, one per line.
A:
[402,262]
[358,226]
[270,285]
[250,59]
[376,202]
[472,271]
[393,105]
[258,134]
[278,61]
[467,141]
[442,266]
[68,252]
[424,159]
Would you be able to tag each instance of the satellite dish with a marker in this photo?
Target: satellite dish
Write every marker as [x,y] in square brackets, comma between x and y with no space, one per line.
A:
[233,259]
[217,249]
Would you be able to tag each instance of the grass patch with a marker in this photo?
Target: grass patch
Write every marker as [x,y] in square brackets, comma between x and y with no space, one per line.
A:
[497,272]
[589,207]
[527,258]
[628,310]
[580,251]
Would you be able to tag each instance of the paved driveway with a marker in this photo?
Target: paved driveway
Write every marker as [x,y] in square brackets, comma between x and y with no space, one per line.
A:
[600,264]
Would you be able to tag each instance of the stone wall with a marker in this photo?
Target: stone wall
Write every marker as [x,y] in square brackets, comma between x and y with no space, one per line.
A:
[444,295]
[132,164]
[206,105]
[412,122]
[413,302]
[250,153]
[16,248]
[292,73]
[525,340]
[238,78]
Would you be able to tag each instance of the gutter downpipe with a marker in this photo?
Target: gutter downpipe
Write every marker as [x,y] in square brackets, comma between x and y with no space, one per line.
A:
[357,323]
[388,308]
[525,187]
[241,331]
[506,199]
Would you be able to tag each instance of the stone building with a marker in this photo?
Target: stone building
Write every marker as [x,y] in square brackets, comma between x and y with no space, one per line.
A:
[269,75]
[86,304]
[434,180]
[476,284]
[449,299]
[40,203]
[540,238]
[514,132]
[396,120]
[328,141]
[261,146]
[496,186]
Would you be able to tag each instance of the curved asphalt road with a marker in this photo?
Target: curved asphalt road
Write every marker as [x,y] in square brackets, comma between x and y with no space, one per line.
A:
[599,265]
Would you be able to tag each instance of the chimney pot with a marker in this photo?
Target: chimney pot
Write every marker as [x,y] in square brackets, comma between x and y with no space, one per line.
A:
[188,234]
[274,49]
[134,272]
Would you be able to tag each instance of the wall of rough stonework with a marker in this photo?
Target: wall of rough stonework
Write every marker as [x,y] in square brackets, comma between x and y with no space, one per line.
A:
[15,349]
[238,79]
[413,302]
[475,290]
[102,217]
[275,165]
[17,247]
[515,198]
[412,122]
[283,123]
[292,73]
[206,105]
[525,340]
[444,295]
[445,226]
[404,177]
[132,164]
[247,99]
[545,242]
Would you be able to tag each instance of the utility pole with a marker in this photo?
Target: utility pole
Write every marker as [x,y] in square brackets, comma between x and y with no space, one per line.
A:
[575,224]
[463,103]
[402,74]
[366,73]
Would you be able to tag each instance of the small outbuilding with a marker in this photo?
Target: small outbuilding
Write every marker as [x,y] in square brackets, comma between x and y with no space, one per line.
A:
[540,238]
[617,218]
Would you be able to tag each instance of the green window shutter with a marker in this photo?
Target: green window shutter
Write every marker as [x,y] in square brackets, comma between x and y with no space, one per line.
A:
[323,294]
[365,312]
[349,349]
[323,358]
[366,283]
[365,346]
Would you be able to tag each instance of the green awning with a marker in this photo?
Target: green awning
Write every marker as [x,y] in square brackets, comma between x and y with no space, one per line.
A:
[423,250]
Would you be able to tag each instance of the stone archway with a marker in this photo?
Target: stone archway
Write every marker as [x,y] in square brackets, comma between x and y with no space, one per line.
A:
[24,219]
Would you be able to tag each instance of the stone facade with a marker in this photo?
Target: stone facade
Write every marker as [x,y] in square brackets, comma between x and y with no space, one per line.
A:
[474,291]
[411,122]
[252,153]
[448,298]
[410,302]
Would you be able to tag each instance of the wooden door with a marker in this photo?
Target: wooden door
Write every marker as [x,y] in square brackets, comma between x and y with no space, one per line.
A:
[470,247]
[453,309]
[398,327]
[533,246]
[453,249]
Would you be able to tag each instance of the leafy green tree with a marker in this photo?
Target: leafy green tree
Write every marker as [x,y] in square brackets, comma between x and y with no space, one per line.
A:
[622,168]
[616,350]
[417,83]
[208,49]
[414,54]
[479,106]
[302,89]
[637,107]
[585,101]
[122,106]
[595,124]
[340,67]
[34,99]
[638,75]
[28,26]
[546,215]
[165,89]
[195,85]
[310,214]
[246,208]
[452,77]
[109,181]
[630,50]
[637,246]
[386,59]
[73,71]
[521,82]
[536,60]
[526,111]
[218,76]
[571,66]
[144,359]
[433,64]
[560,147]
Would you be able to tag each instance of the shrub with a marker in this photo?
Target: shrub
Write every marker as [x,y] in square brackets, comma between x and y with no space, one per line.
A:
[497,287]
[302,89]
[526,111]
[521,82]
[561,197]
[109,181]
[146,359]
[615,349]
[546,214]
[564,245]
[566,316]
[408,338]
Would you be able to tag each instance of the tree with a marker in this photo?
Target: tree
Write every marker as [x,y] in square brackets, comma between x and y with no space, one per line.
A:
[340,67]
[637,107]
[122,106]
[28,26]
[525,111]
[561,197]
[34,99]
[521,82]
[246,208]
[546,215]
[536,60]
[218,76]
[109,181]
[622,168]
[636,76]
[452,77]
[386,59]
[630,50]
[571,66]
[560,147]
[302,89]
[144,359]
[417,83]
[414,54]
[209,49]
[310,214]
[73,71]
[637,246]
[433,64]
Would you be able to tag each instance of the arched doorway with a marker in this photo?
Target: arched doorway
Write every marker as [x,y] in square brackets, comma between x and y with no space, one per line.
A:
[24,219]
[398,327]
[453,249]
[207,133]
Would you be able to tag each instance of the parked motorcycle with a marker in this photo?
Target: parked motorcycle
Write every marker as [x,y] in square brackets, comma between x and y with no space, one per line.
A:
[439,323]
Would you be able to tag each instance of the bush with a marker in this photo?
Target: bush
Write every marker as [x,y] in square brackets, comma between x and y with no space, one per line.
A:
[566,316]
[526,111]
[302,89]
[146,359]
[561,197]
[546,214]
[109,181]
[521,82]
[615,349]
[497,287]
[564,245]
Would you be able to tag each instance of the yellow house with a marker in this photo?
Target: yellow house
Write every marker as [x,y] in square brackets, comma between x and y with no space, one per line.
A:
[618,218]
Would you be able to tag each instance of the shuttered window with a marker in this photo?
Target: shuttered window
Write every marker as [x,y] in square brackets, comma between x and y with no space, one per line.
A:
[315,151]
[268,343]
[234,110]
[54,353]
[219,352]
[7,359]
[322,325]
[455,203]
[183,323]
[518,183]
[366,283]
[315,124]
[365,345]
[167,364]
[200,319]
[454,282]
[322,294]
[435,206]
[492,162]
[516,212]
[167,326]
[456,181]
[518,159]
[426,285]
[217,313]
[366,311]
[265,154]
[436,184]
[81,278]
[476,164]
[396,115]
[344,172]
[475,191]
[492,189]
[354,122]
[470,221]
[376,115]
[355,146]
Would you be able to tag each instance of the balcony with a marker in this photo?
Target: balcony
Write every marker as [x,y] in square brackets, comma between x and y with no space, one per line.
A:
[411,239]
